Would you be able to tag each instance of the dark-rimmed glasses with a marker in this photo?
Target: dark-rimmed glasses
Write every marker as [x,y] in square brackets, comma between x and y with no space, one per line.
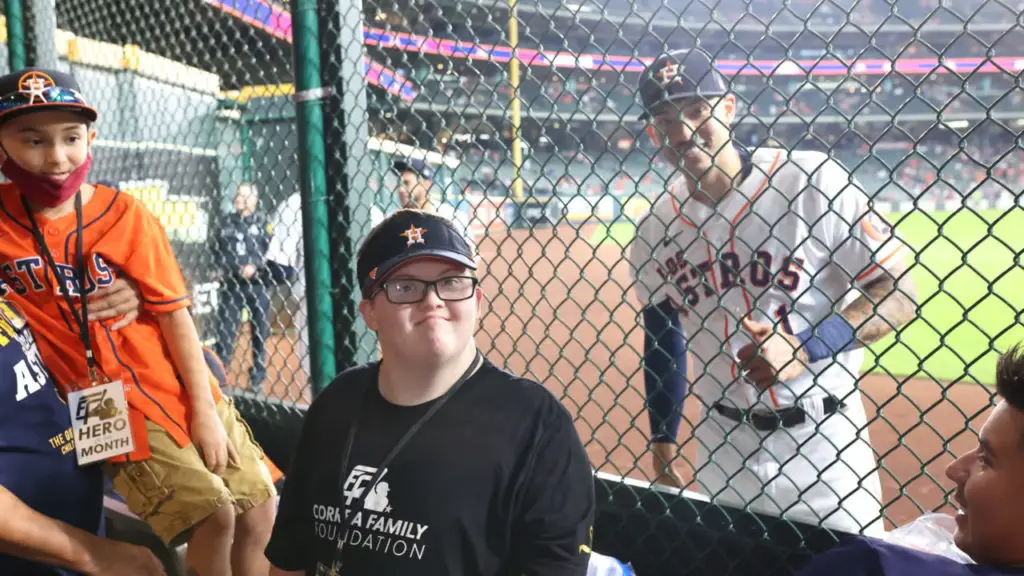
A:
[412,290]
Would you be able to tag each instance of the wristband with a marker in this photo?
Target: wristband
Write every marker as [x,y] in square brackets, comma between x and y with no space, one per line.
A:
[831,336]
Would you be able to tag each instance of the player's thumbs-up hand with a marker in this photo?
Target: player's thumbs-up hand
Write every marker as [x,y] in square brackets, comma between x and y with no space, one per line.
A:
[771,357]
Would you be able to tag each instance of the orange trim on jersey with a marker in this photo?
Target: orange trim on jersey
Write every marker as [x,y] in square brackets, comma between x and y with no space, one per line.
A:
[120,237]
[679,213]
[760,189]
[878,264]
[746,300]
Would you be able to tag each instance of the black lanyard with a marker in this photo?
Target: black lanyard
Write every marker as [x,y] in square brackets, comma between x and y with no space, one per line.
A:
[82,321]
[346,522]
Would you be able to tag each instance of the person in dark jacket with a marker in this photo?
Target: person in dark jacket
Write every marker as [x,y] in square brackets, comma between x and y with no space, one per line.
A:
[241,249]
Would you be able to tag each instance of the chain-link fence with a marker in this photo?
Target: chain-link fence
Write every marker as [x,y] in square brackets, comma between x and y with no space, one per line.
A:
[189,123]
[527,115]
[916,104]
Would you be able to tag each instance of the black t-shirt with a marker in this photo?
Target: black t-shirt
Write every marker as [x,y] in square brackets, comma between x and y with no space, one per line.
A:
[497,482]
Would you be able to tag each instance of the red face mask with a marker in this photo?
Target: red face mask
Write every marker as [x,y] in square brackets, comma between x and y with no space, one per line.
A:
[44,190]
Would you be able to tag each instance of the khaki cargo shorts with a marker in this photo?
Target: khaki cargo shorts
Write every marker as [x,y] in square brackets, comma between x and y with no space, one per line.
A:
[173,490]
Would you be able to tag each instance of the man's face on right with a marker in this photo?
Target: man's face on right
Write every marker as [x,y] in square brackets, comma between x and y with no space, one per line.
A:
[692,132]
[990,491]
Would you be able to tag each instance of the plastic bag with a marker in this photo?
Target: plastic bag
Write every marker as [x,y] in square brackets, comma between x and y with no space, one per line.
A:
[601,565]
[931,533]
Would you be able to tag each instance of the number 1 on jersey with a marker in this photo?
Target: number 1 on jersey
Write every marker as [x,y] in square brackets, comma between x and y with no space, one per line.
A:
[782,313]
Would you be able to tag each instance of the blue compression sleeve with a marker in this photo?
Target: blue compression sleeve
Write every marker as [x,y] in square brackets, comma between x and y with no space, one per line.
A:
[830,337]
[664,365]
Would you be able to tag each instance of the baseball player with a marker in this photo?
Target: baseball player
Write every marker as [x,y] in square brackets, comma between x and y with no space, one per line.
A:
[416,179]
[772,272]
[184,459]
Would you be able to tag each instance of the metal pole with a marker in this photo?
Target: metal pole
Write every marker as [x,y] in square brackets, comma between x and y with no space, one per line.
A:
[349,167]
[513,77]
[313,184]
[15,35]
[245,133]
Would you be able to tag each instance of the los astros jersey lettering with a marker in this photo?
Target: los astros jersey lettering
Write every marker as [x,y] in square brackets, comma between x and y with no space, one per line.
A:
[785,246]
[120,236]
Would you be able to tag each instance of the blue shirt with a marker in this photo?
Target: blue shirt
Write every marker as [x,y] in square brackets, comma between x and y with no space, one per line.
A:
[37,449]
[864,556]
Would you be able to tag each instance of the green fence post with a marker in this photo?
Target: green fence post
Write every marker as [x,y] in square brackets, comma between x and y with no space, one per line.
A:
[15,35]
[244,133]
[42,22]
[349,166]
[313,182]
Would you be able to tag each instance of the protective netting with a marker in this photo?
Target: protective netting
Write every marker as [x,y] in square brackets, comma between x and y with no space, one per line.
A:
[916,102]
[526,115]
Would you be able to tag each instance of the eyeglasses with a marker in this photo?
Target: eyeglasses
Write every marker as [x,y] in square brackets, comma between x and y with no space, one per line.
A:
[51,95]
[412,290]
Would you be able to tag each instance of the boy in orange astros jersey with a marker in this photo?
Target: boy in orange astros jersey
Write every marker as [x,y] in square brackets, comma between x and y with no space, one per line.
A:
[195,471]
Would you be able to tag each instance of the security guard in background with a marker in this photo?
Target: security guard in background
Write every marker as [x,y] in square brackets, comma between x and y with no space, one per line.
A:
[241,249]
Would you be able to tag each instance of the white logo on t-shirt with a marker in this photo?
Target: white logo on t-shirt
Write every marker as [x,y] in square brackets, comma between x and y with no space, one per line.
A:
[378,498]
[371,526]
[357,482]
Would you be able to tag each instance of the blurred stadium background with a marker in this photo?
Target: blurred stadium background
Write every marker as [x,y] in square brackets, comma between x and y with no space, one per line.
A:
[920,99]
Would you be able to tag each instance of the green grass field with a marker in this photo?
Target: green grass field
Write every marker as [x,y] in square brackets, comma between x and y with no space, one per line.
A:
[969,289]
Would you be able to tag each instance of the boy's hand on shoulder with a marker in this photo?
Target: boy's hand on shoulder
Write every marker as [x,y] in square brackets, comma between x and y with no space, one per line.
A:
[212,440]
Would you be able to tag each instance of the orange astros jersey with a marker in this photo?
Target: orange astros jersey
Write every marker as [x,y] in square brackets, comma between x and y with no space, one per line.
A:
[120,237]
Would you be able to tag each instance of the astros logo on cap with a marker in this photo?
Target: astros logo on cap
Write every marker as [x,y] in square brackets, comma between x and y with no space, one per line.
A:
[670,73]
[415,235]
[32,85]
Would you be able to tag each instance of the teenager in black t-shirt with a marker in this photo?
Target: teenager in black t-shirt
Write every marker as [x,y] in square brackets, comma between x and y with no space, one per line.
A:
[438,462]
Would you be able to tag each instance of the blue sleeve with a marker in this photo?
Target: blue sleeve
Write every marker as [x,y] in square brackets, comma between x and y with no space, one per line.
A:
[664,364]
[852,557]
[278,273]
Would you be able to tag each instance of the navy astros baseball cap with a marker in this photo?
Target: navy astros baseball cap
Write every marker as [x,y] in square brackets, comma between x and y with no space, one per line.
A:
[416,165]
[404,235]
[679,75]
[36,89]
